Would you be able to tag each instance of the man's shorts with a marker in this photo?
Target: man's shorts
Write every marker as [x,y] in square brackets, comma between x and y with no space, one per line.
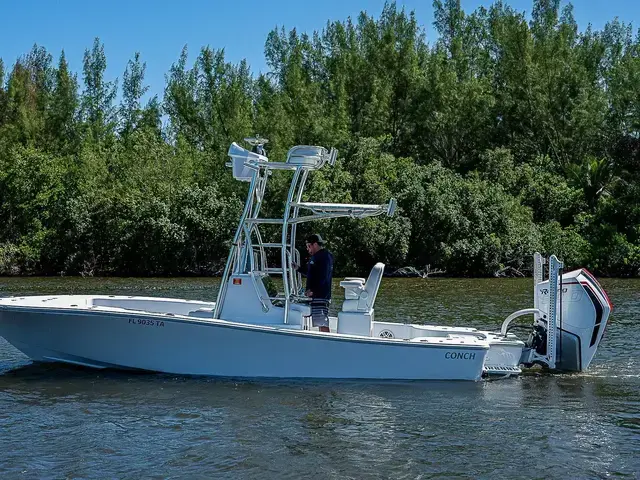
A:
[320,312]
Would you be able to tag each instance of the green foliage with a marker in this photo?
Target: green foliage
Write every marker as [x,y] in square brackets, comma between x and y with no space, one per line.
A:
[503,137]
[566,243]
[61,120]
[370,176]
[31,184]
[595,176]
[613,253]
[465,224]
[133,89]
[98,111]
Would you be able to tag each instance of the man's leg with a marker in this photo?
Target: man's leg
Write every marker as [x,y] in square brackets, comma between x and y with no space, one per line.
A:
[320,314]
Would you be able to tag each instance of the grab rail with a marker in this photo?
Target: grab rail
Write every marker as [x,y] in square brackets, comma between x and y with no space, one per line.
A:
[519,313]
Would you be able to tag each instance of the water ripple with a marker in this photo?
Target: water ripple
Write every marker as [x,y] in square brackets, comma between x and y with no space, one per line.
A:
[59,421]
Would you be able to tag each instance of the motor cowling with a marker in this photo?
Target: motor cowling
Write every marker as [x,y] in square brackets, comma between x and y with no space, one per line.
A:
[584,310]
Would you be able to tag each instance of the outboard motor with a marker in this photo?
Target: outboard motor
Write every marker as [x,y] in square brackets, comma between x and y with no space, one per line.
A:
[567,327]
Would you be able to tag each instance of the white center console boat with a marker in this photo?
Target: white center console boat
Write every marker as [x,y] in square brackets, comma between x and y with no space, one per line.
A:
[249,332]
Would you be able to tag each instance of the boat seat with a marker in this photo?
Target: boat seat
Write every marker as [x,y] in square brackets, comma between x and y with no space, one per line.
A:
[239,156]
[306,155]
[352,287]
[359,296]
[356,316]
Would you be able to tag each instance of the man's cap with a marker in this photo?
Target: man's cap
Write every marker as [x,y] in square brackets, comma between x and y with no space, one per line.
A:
[315,238]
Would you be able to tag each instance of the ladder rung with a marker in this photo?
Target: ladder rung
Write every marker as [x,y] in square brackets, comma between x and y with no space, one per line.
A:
[271,245]
[273,270]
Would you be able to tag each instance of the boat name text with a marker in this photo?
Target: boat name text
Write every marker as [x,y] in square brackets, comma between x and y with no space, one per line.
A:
[460,356]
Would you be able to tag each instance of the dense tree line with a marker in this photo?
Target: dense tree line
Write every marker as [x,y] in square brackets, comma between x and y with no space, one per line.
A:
[505,136]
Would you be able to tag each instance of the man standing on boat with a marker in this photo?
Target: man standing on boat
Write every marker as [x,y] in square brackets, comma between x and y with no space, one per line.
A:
[319,273]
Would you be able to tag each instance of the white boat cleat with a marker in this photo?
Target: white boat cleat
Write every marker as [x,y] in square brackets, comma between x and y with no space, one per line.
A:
[249,333]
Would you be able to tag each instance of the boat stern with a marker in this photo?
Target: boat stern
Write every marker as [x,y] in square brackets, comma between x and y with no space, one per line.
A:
[503,357]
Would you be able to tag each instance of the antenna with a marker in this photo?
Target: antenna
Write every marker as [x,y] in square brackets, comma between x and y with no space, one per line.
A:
[257,143]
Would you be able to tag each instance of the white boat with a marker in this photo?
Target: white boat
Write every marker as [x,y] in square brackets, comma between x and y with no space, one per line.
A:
[249,333]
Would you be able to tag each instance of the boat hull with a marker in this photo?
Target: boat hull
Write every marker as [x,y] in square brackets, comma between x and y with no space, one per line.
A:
[184,346]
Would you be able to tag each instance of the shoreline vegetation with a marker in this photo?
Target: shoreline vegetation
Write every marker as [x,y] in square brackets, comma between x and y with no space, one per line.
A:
[505,136]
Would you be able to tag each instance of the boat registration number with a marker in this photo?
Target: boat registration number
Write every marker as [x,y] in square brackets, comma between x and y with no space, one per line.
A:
[146,322]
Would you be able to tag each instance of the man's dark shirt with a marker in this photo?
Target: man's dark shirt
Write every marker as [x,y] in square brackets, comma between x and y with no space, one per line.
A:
[319,274]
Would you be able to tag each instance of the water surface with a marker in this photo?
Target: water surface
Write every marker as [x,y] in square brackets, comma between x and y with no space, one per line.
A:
[63,422]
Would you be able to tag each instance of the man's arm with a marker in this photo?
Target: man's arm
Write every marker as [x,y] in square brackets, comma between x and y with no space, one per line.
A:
[327,268]
[300,269]
[322,273]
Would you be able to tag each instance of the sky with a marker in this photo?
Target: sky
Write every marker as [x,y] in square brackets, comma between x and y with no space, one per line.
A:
[159,29]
